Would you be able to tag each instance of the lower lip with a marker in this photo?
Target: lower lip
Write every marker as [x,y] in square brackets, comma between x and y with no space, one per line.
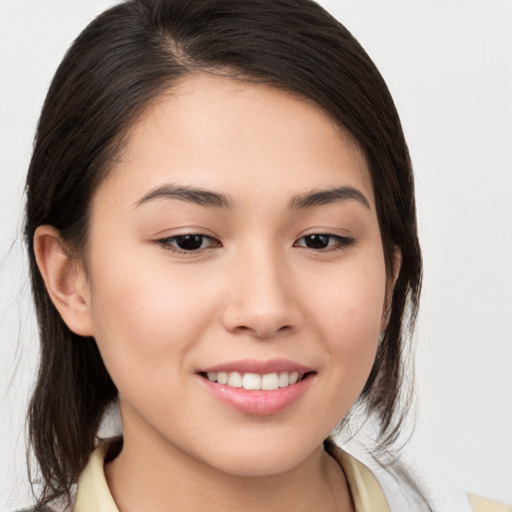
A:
[258,402]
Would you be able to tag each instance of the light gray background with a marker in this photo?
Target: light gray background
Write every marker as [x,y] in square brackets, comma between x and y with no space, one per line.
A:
[449,67]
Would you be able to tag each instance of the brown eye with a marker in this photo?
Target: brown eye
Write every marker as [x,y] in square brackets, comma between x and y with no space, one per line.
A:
[189,242]
[320,241]
[317,241]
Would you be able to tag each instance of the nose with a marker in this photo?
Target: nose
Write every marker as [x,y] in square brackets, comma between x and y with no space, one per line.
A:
[262,300]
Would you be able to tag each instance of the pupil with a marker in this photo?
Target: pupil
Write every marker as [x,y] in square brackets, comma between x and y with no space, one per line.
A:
[189,242]
[317,241]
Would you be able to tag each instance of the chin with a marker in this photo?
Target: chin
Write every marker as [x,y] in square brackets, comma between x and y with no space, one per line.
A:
[259,460]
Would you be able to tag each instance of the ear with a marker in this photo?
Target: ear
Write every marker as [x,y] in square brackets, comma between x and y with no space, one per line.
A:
[390,287]
[64,279]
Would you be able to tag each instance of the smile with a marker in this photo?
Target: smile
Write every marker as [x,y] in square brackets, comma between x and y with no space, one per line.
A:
[258,387]
[255,381]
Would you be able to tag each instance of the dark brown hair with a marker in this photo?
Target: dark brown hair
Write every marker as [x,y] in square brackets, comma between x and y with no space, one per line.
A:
[122,61]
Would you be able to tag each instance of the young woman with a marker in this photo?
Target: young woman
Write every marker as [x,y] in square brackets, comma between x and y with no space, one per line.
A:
[222,236]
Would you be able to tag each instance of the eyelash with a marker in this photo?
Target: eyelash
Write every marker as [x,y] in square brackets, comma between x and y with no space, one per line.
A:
[167,243]
[340,242]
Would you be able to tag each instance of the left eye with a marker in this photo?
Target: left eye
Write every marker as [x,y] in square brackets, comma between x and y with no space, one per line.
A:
[189,243]
[321,241]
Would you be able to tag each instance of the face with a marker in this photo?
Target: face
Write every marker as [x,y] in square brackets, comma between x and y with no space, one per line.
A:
[236,243]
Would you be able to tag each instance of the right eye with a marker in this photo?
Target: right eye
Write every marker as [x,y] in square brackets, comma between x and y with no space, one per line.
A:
[190,242]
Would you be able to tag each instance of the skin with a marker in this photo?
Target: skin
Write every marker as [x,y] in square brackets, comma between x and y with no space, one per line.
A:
[253,290]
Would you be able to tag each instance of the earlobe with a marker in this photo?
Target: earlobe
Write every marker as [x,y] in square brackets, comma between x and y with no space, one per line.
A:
[64,280]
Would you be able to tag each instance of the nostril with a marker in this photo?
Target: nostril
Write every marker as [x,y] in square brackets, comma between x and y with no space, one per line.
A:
[262,320]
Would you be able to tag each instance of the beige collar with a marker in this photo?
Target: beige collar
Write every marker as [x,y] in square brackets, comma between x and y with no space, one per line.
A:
[366,491]
[93,494]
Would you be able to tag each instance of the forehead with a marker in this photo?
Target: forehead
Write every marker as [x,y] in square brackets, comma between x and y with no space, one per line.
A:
[218,132]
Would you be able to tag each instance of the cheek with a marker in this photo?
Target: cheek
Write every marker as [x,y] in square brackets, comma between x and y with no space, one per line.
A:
[350,302]
[143,319]
[348,310]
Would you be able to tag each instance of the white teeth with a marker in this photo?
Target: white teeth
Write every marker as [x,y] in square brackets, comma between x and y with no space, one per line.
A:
[234,380]
[254,381]
[251,381]
[269,381]
[283,380]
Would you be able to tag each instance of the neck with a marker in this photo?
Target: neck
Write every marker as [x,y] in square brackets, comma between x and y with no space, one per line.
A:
[149,474]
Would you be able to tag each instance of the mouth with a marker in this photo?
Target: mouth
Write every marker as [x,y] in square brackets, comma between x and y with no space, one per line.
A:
[256,387]
[254,381]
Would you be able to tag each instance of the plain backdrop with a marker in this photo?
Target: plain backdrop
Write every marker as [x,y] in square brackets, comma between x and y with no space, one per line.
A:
[448,65]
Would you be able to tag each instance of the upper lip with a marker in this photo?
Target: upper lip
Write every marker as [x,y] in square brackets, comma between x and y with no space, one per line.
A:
[258,366]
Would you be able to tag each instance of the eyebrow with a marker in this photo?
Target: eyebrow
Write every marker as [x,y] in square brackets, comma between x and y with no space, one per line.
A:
[189,194]
[332,195]
[217,200]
